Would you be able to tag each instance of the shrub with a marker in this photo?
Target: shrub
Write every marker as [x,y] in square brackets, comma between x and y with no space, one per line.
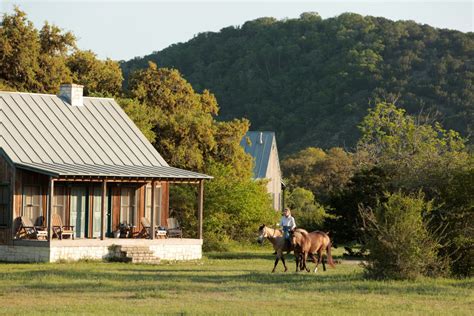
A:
[308,214]
[397,237]
[234,208]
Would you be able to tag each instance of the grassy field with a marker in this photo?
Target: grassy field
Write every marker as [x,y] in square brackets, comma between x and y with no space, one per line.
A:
[229,283]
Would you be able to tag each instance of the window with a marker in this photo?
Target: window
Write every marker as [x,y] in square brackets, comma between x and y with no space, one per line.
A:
[32,204]
[127,206]
[157,204]
[59,202]
[4,203]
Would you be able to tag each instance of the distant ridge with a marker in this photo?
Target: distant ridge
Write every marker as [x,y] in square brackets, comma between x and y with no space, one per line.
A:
[311,80]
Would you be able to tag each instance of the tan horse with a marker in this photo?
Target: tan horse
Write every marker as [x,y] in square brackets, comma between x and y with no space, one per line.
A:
[310,243]
[279,243]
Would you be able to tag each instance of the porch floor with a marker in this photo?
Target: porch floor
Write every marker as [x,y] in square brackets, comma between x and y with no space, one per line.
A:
[94,242]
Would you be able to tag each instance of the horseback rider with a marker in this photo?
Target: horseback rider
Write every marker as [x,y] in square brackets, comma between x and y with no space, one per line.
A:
[288,224]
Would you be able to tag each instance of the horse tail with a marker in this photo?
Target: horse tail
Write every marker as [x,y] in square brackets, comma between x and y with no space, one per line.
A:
[328,250]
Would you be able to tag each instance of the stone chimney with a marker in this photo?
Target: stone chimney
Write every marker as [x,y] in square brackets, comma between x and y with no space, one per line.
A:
[71,93]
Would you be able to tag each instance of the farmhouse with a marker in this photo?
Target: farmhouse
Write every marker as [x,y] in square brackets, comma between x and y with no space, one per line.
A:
[263,148]
[75,172]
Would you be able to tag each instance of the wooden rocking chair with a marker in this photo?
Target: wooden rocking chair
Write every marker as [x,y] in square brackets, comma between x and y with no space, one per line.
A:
[60,230]
[30,231]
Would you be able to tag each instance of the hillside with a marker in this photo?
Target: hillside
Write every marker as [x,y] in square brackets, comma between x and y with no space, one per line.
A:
[311,79]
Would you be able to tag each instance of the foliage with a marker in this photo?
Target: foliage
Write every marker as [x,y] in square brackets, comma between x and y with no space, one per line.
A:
[187,135]
[398,239]
[415,150]
[308,213]
[143,116]
[19,51]
[456,213]
[97,76]
[235,207]
[40,60]
[366,187]
[309,79]
[322,172]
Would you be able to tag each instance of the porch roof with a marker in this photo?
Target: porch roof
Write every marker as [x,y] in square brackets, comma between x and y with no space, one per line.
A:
[67,170]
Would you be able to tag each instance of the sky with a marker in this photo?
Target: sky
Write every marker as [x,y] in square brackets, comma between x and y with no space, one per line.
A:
[121,30]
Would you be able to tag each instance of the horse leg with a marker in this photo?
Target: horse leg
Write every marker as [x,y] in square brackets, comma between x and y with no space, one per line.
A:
[276,262]
[322,260]
[319,261]
[302,261]
[297,259]
[314,260]
[284,264]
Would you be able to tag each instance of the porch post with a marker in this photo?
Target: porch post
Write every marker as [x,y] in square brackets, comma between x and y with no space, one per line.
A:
[152,213]
[102,210]
[200,206]
[49,210]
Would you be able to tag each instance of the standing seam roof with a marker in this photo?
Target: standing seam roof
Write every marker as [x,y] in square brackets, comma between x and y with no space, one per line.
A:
[46,134]
[260,152]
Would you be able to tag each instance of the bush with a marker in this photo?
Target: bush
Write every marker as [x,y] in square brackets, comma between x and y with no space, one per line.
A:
[399,242]
[307,212]
[234,208]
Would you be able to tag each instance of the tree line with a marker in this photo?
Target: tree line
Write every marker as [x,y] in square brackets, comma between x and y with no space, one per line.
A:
[405,194]
[311,80]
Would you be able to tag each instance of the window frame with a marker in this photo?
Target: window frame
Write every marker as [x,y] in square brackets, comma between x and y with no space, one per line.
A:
[158,208]
[132,207]
[55,204]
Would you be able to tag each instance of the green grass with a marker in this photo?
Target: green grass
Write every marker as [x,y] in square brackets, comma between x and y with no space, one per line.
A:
[227,283]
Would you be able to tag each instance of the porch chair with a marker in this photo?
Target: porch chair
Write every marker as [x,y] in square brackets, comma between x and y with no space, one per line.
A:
[146,229]
[60,230]
[173,229]
[31,231]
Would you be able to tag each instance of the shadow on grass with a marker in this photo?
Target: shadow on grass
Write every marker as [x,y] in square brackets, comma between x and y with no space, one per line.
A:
[241,255]
[205,277]
[152,280]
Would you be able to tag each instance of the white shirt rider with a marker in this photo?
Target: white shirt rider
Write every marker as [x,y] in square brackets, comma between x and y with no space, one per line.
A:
[288,220]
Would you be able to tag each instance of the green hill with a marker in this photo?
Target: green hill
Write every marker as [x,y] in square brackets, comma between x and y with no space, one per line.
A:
[311,79]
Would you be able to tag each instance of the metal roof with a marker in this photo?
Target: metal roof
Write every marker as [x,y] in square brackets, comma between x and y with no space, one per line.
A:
[44,133]
[259,146]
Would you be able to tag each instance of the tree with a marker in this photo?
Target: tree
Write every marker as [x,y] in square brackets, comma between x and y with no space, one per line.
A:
[55,46]
[308,213]
[142,115]
[310,79]
[97,76]
[19,52]
[323,172]
[235,206]
[188,136]
[417,153]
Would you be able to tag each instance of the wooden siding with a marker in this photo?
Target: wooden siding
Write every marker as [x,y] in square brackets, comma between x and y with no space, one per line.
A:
[274,175]
[7,174]
[140,195]
[25,178]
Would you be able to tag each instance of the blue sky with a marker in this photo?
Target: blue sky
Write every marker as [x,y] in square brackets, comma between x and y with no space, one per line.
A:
[125,29]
